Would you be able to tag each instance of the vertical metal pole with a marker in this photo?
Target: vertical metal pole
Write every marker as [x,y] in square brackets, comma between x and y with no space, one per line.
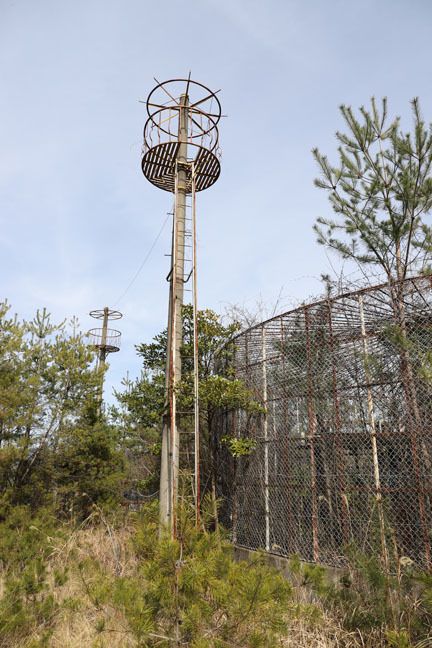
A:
[266,459]
[234,460]
[415,423]
[196,365]
[174,375]
[165,487]
[104,334]
[312,424]
[378,493]
[170,436]
[338,427]
[287,447]
[102,357]
[234,465]
[180,224]
[248,495]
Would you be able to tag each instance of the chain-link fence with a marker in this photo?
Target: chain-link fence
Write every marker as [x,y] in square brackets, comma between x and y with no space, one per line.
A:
[344,452]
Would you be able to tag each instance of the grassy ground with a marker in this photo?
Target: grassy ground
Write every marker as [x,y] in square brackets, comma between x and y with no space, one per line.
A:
[82,568]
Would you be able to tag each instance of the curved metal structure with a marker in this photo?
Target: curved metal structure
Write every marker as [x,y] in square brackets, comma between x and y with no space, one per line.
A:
[344,452]
[106,340]
[163,134]
[100,314]
[181,155]
[110,342]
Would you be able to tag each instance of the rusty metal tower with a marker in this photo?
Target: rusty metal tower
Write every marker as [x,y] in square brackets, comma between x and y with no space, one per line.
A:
[180,155]
[105,339]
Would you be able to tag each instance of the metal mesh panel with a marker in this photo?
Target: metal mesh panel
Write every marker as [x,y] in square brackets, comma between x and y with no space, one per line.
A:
[344,452]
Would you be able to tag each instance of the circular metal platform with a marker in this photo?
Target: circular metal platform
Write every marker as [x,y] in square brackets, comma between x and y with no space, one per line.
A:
[193,110]
[159,166]
[112,339]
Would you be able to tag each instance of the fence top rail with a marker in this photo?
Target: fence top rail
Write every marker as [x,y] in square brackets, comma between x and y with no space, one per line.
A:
[330,300]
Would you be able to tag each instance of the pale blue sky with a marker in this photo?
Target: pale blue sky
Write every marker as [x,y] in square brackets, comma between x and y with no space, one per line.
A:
[78,216]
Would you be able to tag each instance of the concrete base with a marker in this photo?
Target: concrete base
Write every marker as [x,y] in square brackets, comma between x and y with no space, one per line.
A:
[281,563]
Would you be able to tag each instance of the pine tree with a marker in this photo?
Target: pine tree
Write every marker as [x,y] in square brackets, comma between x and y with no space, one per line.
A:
[380,192]
[50,439]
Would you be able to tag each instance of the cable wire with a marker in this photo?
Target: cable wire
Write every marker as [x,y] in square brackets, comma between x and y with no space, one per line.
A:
[144,261]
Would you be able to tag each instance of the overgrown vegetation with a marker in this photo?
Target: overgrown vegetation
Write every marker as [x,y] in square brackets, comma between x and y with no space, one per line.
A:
[108,581]
[80,566]
[54,449]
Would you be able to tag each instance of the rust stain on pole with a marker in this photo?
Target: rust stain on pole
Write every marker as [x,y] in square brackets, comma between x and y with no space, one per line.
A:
[312,424]
[338,428]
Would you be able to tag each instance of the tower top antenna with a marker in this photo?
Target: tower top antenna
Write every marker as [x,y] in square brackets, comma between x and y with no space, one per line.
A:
[181,155]
[182,112]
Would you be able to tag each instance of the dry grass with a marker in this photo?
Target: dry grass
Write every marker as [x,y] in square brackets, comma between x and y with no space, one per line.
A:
[327,634]
[78,619]
[76,622]
[77,627]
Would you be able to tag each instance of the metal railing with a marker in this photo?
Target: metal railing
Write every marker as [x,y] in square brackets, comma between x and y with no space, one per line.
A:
[111,342]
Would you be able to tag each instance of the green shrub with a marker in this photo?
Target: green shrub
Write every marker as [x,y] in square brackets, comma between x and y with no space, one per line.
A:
[192,591]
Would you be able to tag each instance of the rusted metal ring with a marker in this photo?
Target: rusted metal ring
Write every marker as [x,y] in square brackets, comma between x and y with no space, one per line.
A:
[188,82]
[150,124]
[100,314]
[160,128]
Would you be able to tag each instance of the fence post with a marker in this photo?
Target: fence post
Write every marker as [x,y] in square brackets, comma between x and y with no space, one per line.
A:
[266,457]
[378,493]
[312,425]
[287,448]
[338,427]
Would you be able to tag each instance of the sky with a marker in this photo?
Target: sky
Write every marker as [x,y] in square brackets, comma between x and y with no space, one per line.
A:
[77,216]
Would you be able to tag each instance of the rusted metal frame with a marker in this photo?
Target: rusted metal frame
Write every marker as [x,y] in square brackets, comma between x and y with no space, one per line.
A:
[152,124]
[100,314]
[377,478]
[338,428]
[420,294]
[389,489]
[162,86]
[320,392]
[286,444]
[350,435]
[160,160]
[210,96]
[413,442]
[266,456]
[195,83]
[312,424]
[166,119]
[258,362]
[195,359]
[169,149]
[248,497]
[161,171]
[196,111]
[234,468]
[352,295]
[355,435]
[165,162]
